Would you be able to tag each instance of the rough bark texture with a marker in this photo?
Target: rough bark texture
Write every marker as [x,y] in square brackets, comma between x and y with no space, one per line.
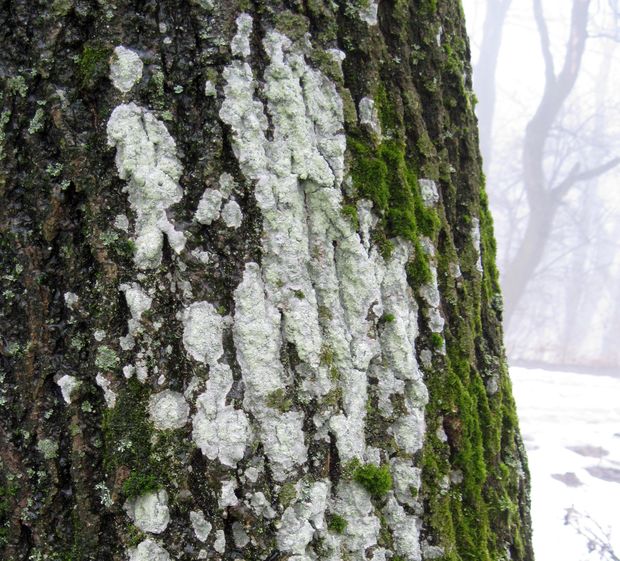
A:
[249,302]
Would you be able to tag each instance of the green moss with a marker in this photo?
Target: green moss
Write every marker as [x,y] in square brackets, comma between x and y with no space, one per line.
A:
[138,484]
[388,115]
[156,90]
[350,211]
[134,535]
[388,318]
[376,480]
[278,399]
[327,356]
[385,538]
[383,175]
[369,174]
[61,8]
[292,25]
[287,494]
[92,65]
[385,245]
[488,246]
[127,431]
[419,270]
[336,523]
[8,493]
[436,340]
[431,135]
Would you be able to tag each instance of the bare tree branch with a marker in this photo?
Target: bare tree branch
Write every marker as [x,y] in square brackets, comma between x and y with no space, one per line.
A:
[575,176]
[543,32]
[597,538]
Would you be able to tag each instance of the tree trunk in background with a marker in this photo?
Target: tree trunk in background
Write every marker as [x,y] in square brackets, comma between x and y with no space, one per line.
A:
[249,302]
[485,71]
[543,198]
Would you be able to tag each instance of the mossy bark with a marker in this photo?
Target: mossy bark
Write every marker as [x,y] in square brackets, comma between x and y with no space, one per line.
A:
[66,469]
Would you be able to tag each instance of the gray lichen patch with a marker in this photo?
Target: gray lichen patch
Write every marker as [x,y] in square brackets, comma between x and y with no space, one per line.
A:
[404,529]
[428,190]
[430,291]
[149,512]
[68,384]
[475,240]
[362,531]
[240,45]
[148,550]
[168,410]
[146,158]
[202,332]
[368,115]
[220,430]
[368,11]
[257,339]
[125,69]
[71,299]
[202,528]
[106,385]
[231,214]
[209,206]
[48,448]
[303,519]
[321,288]
[138,302]
[220,541]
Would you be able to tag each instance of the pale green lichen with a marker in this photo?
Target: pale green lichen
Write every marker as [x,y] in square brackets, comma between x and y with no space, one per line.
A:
[106,358]
[319,280]
[148,550]
[149,512]
[219,429]
[125,69]
[48,448]
[17,85]
[5,117]
[146,158]
[168,410]
[202,332]
[36,124]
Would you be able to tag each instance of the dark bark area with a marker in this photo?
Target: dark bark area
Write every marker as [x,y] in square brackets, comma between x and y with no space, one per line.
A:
[61,194]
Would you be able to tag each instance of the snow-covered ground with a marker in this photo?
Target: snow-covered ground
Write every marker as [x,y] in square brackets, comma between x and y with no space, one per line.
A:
[571,427]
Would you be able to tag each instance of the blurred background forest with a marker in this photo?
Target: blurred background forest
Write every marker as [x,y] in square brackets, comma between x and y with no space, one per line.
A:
[547,78]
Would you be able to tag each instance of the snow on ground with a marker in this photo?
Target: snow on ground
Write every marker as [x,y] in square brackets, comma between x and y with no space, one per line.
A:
[571,427]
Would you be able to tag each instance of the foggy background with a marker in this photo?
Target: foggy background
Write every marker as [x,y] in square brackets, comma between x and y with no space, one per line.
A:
[551,145]
[547,79]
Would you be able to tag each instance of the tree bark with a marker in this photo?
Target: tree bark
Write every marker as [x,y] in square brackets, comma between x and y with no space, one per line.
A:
[250,305]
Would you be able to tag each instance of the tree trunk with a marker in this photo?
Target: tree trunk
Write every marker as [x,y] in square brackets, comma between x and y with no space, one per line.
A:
[250,305]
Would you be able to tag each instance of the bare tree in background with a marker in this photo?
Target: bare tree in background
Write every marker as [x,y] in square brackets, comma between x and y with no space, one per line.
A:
[485,71]
[551,235]
[544,195]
